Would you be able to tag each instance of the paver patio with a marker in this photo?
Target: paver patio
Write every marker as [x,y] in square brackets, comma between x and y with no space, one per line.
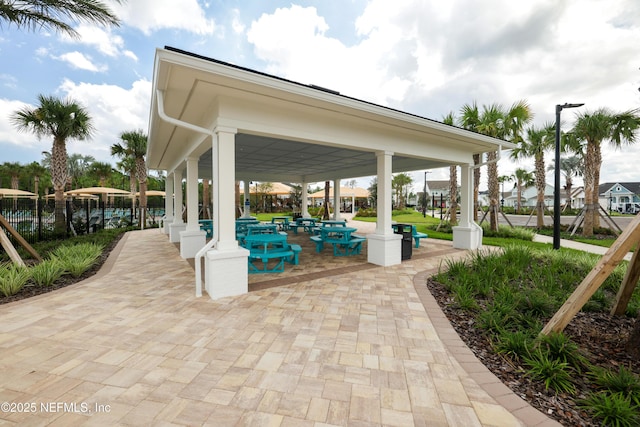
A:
[133,346]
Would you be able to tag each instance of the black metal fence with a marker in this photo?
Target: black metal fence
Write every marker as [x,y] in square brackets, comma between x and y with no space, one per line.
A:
[35,219]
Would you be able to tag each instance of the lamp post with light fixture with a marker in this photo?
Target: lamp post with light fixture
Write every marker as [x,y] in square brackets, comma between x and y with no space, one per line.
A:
[556,190]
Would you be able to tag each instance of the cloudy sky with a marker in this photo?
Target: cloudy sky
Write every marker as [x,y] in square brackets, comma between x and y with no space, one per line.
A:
[425,57]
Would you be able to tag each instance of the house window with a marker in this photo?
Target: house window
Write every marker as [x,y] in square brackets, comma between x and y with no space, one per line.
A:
[618,188]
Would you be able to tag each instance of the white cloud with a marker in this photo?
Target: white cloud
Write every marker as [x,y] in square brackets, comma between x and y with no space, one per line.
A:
[151,15]
[114,109]
[81,61]
[8,133]
[429,57]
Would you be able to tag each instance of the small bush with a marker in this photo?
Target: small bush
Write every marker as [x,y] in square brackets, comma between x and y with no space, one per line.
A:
[78,258]
[560,347]
[12,279]
[612,409]
[47,272]
[624,381]
[552,372]
[514,344]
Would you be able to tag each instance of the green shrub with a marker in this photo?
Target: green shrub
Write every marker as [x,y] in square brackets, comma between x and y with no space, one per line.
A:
[612,409]
[558,346]
[78,258]
[12,279]
[47,272]
[624,381]
[552,372]
[514,344]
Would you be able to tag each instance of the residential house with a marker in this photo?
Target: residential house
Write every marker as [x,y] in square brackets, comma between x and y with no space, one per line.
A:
[620,196]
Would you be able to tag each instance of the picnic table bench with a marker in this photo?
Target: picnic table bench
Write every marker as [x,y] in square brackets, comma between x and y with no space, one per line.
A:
[267,247]
[307,224]
[342,239]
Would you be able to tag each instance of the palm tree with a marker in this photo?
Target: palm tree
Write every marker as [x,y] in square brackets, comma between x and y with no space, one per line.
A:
[51,14]
[469,120]
[400,183]
[37,171]
[135,146]
[589,131]
[102,170]
[506,125]
[538,141]
[449,119]
[78,167]
[62,119]
[523,178]
[570,167]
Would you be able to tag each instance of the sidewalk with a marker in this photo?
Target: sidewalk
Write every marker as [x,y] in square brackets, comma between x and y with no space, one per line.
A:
[564,243]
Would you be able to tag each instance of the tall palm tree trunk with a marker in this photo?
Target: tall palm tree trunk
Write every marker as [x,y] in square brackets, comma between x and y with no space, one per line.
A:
[540,187]
[141,172]
[325,214]
[476,186]
[494,190]
[453,195]
[589,179]
[206,199]
[59,180]
[596,186]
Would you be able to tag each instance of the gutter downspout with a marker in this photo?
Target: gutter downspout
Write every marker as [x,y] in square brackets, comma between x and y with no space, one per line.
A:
[186,125]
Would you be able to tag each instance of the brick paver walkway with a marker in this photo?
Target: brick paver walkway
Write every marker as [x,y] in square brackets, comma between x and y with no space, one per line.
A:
[133,346]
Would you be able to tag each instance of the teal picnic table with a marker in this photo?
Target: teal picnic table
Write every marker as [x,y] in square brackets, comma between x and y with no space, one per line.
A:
[307,224]
[342,239]
[267,247]
[207,226]
[282,221]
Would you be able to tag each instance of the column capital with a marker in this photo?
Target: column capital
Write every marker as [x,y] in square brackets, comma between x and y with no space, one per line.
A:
[384,153]
[225,129]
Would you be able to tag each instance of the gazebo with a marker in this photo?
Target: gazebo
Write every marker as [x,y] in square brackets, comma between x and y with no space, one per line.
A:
[214,120]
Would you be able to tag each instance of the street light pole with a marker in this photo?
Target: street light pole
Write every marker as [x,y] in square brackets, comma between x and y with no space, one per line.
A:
[556,189]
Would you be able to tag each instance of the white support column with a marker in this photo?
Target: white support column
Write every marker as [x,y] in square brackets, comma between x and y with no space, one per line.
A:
[304,209]
[468,234]
[336,199]
[178,224]
[168,203]
[226,264]
[192,239]
[384,247]
[247,202]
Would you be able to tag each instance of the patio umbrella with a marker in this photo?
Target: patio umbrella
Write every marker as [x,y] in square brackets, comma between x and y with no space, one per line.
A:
[10,192]
[152,193]
[99,190]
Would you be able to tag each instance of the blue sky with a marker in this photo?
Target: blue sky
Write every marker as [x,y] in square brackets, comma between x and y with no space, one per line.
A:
[426,57]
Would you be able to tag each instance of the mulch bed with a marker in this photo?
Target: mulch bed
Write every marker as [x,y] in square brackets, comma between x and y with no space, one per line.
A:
[31,290]
[601,338]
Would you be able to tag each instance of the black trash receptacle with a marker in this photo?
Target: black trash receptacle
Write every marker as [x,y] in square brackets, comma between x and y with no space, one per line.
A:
[407,237]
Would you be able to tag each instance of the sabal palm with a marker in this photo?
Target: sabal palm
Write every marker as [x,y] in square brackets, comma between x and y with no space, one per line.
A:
[589,131]
[449,119]
[399,183]
[538,141]
[102,171]
[62,119]
[469,120]
[134,145]
[523,178]
[52,14]
[507,125]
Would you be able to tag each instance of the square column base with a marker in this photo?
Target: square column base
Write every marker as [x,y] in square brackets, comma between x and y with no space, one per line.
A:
[467,237]
[166,224]
[174,231]
[191,242]
[384,249]
[226,272]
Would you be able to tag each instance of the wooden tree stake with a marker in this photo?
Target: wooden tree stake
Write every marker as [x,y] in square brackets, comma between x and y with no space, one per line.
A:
[595,278]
